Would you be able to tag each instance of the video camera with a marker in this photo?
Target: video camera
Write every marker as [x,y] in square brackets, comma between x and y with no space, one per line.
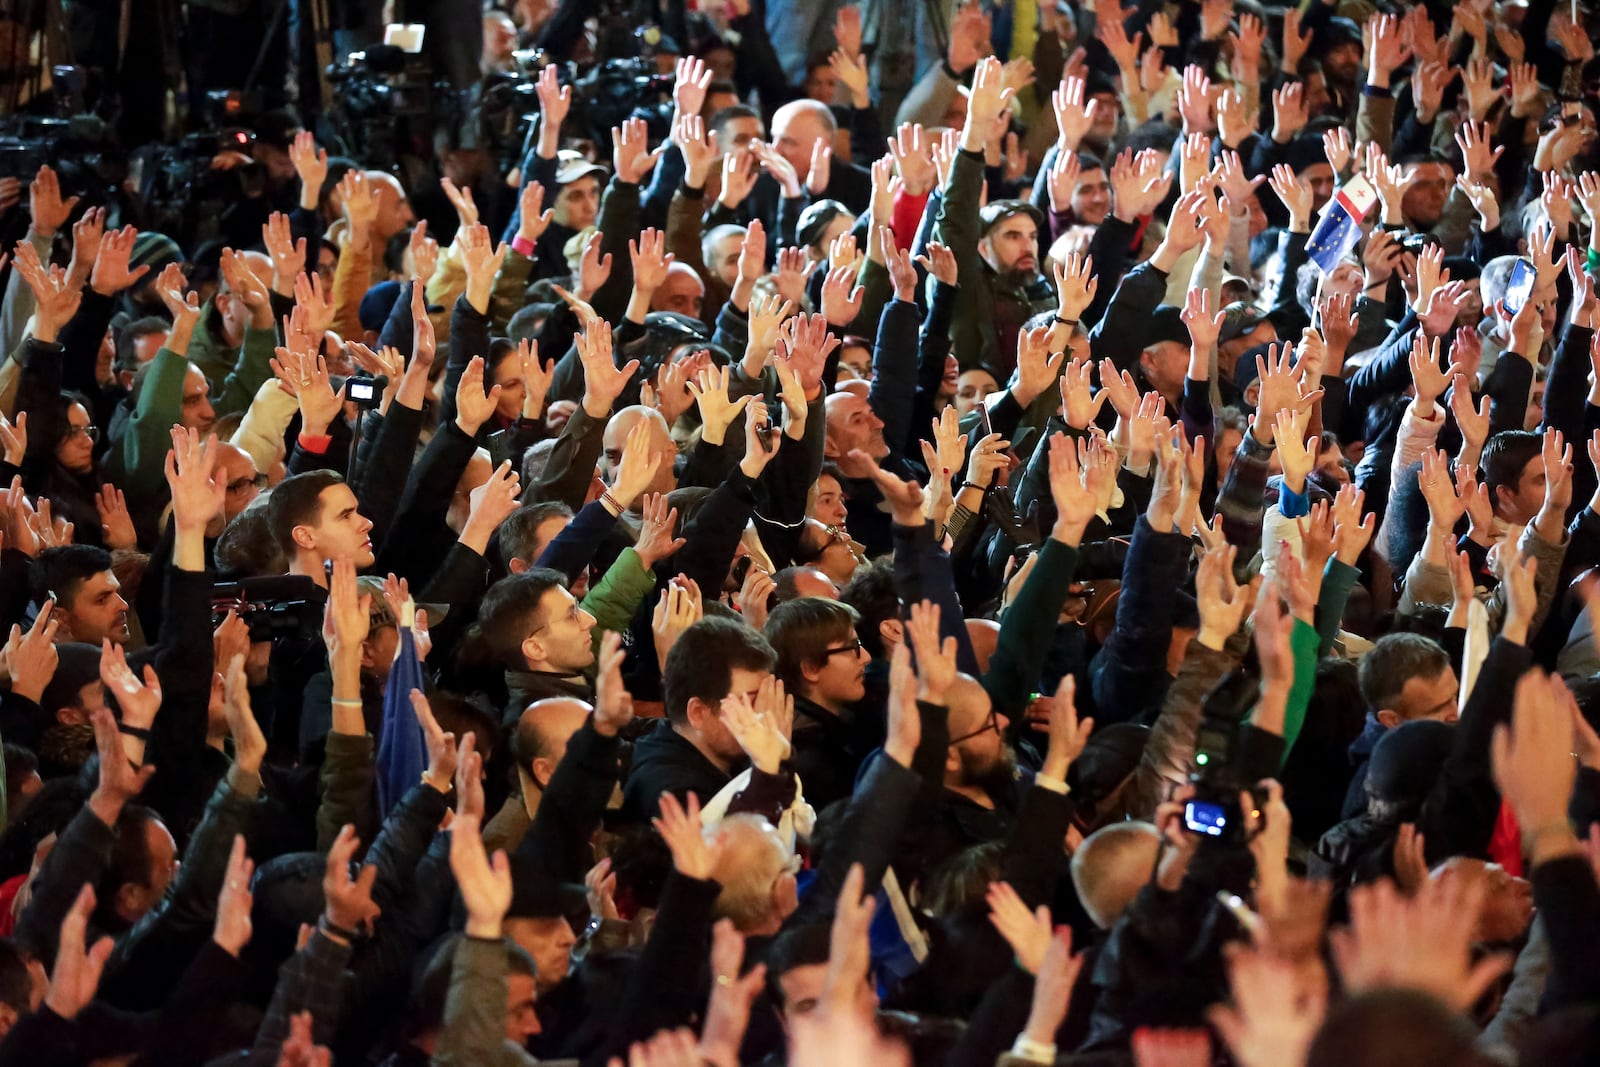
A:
[282,605]
[386,103]
[1213,811]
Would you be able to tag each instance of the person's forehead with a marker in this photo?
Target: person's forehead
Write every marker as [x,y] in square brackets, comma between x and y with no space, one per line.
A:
[77,416]
[683,281]
[556,600]
[979,378]
[336,498]
[584,186]
[193,379]
[1015,226]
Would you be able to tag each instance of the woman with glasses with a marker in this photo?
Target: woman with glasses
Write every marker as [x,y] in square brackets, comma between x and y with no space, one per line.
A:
[61,461]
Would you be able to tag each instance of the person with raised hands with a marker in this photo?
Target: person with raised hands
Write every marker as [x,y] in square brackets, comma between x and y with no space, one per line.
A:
[996,247]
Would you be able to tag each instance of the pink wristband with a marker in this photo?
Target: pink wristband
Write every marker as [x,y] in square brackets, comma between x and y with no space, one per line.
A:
[522,246]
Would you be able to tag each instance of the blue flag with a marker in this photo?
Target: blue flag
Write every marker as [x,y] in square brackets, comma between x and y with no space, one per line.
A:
[402,750]
[1339,228]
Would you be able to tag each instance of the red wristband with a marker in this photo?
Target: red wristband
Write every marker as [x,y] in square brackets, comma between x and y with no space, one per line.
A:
[522,246]
[316,444]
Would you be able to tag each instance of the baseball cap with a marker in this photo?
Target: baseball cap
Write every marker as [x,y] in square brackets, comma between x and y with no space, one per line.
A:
[1167,324]
[571,165]
[1238,319]
[997,211]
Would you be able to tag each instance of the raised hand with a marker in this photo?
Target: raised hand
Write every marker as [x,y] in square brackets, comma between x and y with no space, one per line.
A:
[231,931]
[739,172]
[761,727]
[197,491]
[630,151]
[138,701]
[603,380]
[1028,933]
[936,657]
[679,608]
[679,826]
[348,904]
[76,976]
[485,885]
[311,164]
[48,210]
[613,704]
[111,274]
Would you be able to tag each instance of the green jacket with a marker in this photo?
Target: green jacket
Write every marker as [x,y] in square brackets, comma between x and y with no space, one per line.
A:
[974,333]
[614,599]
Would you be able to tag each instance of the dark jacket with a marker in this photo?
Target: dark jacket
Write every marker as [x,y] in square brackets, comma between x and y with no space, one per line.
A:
[829,749]
[664,761]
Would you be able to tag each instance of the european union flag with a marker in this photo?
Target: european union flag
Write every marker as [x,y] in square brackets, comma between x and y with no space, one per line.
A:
[402,750]
[1339,228]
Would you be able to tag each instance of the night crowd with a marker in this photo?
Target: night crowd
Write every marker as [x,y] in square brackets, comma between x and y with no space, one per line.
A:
[1014,534]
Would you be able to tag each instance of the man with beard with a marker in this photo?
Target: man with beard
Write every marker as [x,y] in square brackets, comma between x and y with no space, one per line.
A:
[983,788]
[996,247]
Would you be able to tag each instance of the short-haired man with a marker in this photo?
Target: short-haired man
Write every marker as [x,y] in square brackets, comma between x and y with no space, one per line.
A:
[540,636]
[316,519]
[693,751]
[538,744]
[1404,678]
[823,666]
[89,605]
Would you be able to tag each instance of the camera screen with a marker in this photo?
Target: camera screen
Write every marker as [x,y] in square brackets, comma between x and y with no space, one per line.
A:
[1201,817]
[362,390]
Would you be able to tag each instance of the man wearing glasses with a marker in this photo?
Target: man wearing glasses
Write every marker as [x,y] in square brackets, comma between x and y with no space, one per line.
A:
[822,662]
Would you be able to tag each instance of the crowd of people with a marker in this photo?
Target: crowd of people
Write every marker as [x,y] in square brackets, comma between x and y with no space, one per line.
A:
[1087,558]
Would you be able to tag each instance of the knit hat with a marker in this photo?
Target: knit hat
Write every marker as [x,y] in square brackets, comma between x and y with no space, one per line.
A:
[154,250]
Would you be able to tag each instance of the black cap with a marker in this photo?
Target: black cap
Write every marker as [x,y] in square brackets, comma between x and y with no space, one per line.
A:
[1167,325]
[1406,761]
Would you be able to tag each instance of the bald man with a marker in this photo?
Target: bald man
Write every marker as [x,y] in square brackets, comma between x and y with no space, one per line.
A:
[241,480]
[538,745]
[616,436]
[1111,866]
[683,292]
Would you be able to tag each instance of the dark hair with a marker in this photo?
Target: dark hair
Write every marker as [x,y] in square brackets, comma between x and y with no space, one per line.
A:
[798,946]
[510,612]
[297,501]
[1395,660]
[728,114]
[801,631]
[1504,457]
[247,548]
[20,763]
[528,321]
[703,659]
[460,716]
[871,594]
[518,530]
[130,864]
[129,334]
[59,572]
[1395,1026]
